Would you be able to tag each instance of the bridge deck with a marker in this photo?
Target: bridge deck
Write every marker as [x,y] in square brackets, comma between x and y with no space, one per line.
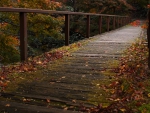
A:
[69,81]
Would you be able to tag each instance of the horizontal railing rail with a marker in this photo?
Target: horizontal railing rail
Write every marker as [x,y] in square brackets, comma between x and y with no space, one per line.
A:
[117,19]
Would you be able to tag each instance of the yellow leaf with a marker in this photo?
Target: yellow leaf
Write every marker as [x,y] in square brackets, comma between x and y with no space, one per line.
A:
[122,87]
[148,94]
[123,110]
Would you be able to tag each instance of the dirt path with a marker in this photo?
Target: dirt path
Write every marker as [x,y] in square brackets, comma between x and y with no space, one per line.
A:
[67,82]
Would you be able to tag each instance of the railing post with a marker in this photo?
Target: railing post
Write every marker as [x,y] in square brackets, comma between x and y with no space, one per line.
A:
[121,22]
[67,29]
[88,26]
[126,20]
[148,37]
[129,20]
[117,22]
[108,20]
[23,36]
[100,24]
[114,22]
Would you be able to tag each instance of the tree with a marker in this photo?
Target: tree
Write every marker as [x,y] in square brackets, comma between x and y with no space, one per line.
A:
[140,7]
[40,26]
[100,6]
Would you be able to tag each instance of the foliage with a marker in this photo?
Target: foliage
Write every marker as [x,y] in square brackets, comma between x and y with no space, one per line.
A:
[100,6]
[140,8]
[45,44]
[135,23]
[8,49]
[40,26]
[134,8]
[145,108]
[74,36]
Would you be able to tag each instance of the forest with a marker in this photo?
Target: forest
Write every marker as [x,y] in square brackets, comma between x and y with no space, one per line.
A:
[128,87]
[46,31]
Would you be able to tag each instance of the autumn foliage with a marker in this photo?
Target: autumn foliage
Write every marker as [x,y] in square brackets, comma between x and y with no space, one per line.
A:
[135,23]
[40,27]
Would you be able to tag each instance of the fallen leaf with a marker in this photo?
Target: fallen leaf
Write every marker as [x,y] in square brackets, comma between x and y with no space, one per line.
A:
[123,110]
[66,108]
[48,100]
[148,94]
[63,77]
[7,105]
[74,101]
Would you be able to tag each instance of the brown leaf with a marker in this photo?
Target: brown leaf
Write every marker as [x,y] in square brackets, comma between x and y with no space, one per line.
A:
[7,105]
[48,100]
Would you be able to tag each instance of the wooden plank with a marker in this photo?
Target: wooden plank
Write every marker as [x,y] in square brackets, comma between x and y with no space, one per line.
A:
[14,107]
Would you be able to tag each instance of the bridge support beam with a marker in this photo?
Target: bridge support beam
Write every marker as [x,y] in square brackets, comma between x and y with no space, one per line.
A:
[23,36]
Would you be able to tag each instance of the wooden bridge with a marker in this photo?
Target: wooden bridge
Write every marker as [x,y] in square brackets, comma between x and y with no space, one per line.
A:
[117,20]
[68,82]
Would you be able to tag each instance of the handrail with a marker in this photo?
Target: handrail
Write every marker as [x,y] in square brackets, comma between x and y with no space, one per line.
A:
[121,20]
[26,10]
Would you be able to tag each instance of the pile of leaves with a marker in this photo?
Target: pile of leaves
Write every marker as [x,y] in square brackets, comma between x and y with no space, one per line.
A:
[135,23]
[34,63]
[131,78]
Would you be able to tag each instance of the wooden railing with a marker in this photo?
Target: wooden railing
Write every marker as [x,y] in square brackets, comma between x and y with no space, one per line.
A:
[118,21]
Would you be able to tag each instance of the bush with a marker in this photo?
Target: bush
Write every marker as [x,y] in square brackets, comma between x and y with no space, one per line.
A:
[75,36]
[37,46]
[8,49]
